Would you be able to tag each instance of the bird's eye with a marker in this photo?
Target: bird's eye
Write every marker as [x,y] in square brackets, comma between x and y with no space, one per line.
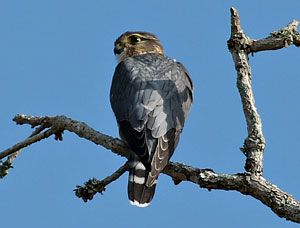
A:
[134,39]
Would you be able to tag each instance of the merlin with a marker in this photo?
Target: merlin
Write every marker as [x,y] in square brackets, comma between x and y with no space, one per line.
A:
[151,96]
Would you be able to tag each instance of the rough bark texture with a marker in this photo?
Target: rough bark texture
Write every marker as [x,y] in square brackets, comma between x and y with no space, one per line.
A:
[254,144]
[283,204]
[250,183]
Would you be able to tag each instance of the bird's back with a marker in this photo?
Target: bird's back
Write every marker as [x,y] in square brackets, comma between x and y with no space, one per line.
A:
[151,89]
[151,96]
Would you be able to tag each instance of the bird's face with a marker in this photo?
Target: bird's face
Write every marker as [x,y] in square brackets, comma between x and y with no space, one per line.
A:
[136,43]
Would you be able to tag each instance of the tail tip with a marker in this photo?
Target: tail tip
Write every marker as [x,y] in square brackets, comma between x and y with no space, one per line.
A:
[138,204]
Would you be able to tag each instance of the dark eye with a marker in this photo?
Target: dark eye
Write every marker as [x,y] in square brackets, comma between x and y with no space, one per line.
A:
[134,39]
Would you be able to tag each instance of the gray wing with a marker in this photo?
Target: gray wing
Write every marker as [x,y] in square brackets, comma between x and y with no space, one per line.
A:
[151,97]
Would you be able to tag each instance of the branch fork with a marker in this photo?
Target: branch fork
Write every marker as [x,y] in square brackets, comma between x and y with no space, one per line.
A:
[250,183]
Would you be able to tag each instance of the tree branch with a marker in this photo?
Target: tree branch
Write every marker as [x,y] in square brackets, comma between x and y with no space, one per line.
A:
[93,186]
[30,140]
[277,40]
[254,144]
[61,123]
[251,183]
[15,150]
[240,46]
[283,204]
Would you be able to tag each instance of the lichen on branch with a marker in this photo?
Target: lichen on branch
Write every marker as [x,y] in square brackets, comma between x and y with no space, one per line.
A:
[250,183]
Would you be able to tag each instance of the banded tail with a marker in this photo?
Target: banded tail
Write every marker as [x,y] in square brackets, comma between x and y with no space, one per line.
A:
[138,193]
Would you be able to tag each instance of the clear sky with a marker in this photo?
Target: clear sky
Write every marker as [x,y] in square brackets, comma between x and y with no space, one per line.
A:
[56,58]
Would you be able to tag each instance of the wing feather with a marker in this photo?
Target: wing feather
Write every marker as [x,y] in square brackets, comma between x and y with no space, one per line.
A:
[151,96]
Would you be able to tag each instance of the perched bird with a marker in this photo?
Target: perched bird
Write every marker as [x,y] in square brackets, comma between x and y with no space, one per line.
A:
[151,96]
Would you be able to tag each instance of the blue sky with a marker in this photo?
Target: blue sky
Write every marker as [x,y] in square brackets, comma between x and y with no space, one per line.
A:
[57,59]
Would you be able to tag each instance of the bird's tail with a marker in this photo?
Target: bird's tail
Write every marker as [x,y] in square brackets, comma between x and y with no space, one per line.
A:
[138,193]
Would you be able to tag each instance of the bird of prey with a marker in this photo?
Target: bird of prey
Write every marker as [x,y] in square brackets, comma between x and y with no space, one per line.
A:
[151,96]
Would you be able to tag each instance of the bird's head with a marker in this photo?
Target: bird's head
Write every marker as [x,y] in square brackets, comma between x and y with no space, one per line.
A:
[136,43]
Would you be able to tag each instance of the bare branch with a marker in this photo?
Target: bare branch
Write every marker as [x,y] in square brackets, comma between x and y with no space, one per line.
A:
[277,40]
[7,165]
[281,203]
[94,186]
[255,185]
[254,144]
[251,183]
[27,142]
[240,46]
[13,152]
[81,129]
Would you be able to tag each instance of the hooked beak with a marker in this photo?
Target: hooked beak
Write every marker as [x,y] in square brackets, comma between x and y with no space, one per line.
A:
[118,49]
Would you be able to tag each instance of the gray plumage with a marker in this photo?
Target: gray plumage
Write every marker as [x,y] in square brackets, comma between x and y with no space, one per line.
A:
[151,97]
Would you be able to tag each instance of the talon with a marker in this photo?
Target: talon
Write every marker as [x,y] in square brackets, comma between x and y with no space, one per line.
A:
[58,136]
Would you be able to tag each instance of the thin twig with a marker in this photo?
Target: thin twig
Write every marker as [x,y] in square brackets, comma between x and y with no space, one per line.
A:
[13,152]
[281,203]
[8,163]
[94,186]
[277,40]
[252,183]
[27,142]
